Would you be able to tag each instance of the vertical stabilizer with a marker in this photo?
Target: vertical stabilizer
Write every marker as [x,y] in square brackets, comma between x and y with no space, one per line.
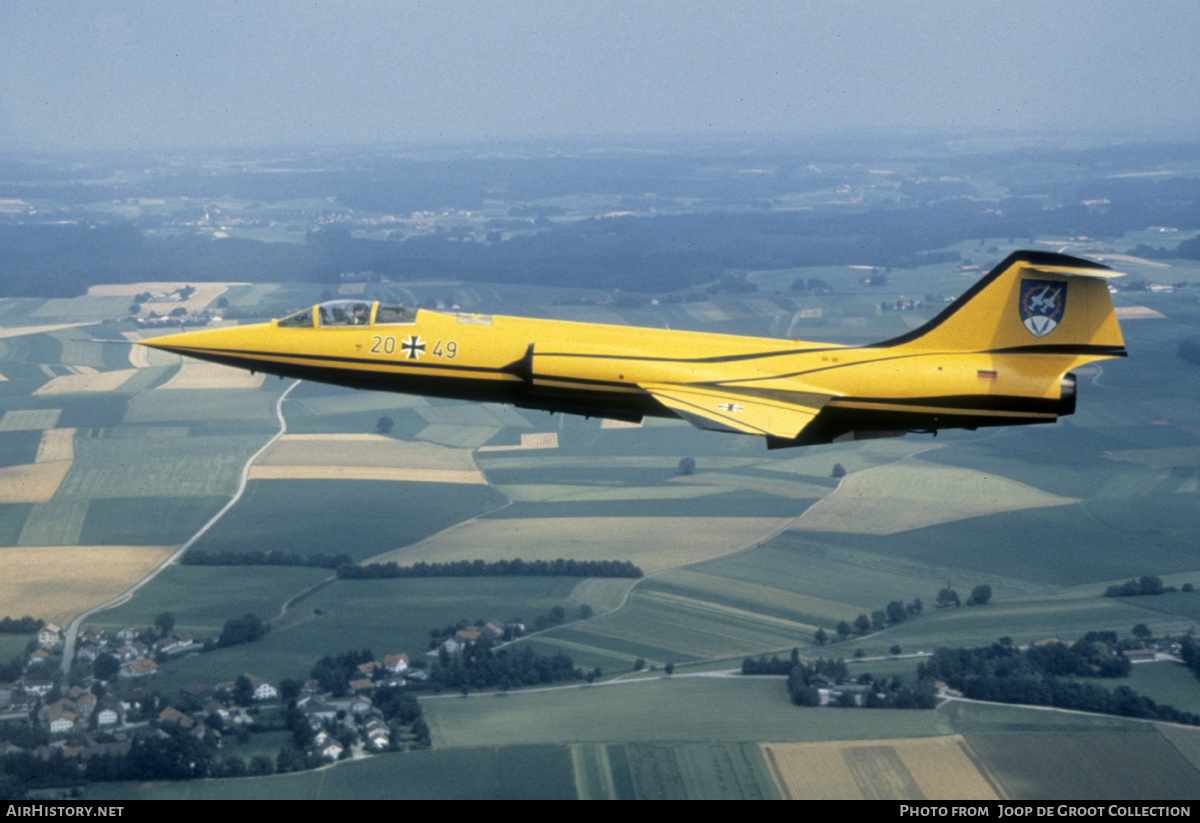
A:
[1033,302]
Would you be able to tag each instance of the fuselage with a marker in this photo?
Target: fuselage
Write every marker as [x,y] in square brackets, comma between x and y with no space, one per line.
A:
[601,370]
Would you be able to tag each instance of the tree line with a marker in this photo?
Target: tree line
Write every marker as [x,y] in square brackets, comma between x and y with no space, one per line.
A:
[1146,585]
[206,557]
[23,625]
[498,568]
[1004,673]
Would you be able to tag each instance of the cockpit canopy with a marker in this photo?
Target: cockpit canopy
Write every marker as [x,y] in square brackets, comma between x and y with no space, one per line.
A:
[348,313]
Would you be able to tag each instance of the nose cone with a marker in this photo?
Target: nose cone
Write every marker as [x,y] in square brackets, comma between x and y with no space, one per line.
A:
[234,346]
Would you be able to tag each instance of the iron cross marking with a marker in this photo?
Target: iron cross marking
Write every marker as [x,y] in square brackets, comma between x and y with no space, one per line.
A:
[413,347]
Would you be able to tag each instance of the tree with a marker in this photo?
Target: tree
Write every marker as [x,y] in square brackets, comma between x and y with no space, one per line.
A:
[687,466]
[947,597]
[1142,632]
[669,668]
[980,595]
[820,638]
[385,425]
[242,630]
[838,470]
[165,623]
[862,624]
[106,667]
[243,691]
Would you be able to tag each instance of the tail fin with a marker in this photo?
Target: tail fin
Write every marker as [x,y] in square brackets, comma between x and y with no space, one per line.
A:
[1033,302]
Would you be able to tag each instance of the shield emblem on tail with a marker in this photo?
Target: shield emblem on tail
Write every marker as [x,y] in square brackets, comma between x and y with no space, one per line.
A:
[1042,305]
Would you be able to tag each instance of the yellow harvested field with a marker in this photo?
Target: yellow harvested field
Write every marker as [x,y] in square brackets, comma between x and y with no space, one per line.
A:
[58,582]
[57,444]
[653,543]
[212,376]
[29,419]
[934,768]
[607,423]
[365,473]
[18,331]
[32,482]
[914,494]
[204,294]
[1138,313]
[365,450]
[103,381]
[540,440]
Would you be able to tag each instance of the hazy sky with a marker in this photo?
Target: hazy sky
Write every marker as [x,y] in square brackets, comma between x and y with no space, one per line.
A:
[217,73]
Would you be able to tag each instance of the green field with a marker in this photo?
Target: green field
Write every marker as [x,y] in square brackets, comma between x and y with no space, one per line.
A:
[509,773]
[662,710]
[385,616]
[146,521]
[161,464]
[361,518]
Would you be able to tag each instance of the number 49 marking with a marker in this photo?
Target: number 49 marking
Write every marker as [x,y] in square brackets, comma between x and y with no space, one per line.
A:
[448,352]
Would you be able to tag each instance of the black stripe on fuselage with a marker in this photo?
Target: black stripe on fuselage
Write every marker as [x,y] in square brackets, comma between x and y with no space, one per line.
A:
[251,359]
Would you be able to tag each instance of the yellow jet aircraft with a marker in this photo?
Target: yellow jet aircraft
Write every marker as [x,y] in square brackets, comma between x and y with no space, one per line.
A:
[1000,355]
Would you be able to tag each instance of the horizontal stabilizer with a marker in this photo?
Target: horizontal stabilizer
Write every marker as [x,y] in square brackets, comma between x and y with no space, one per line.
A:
[718,409]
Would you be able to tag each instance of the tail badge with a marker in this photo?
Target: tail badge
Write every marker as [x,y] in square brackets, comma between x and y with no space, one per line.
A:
[1042,304]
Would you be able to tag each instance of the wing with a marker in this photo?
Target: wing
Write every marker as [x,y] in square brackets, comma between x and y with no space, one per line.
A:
[779,414]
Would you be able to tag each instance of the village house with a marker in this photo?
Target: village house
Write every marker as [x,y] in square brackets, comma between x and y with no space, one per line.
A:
[262,689]
[108,711]
[49,635]
[138,668]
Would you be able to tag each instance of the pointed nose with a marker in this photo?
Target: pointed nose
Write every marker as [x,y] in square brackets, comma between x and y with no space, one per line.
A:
[232,346]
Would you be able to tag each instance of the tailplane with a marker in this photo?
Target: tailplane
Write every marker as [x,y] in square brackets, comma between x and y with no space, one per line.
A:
[1033,302]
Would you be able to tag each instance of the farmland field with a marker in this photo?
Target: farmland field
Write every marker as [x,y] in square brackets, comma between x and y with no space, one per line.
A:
[652,543]
[56,582]
[507,773]
[936,768]
[387,616]
[913,494]
[663,710]
[363,518]
[1131,765]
